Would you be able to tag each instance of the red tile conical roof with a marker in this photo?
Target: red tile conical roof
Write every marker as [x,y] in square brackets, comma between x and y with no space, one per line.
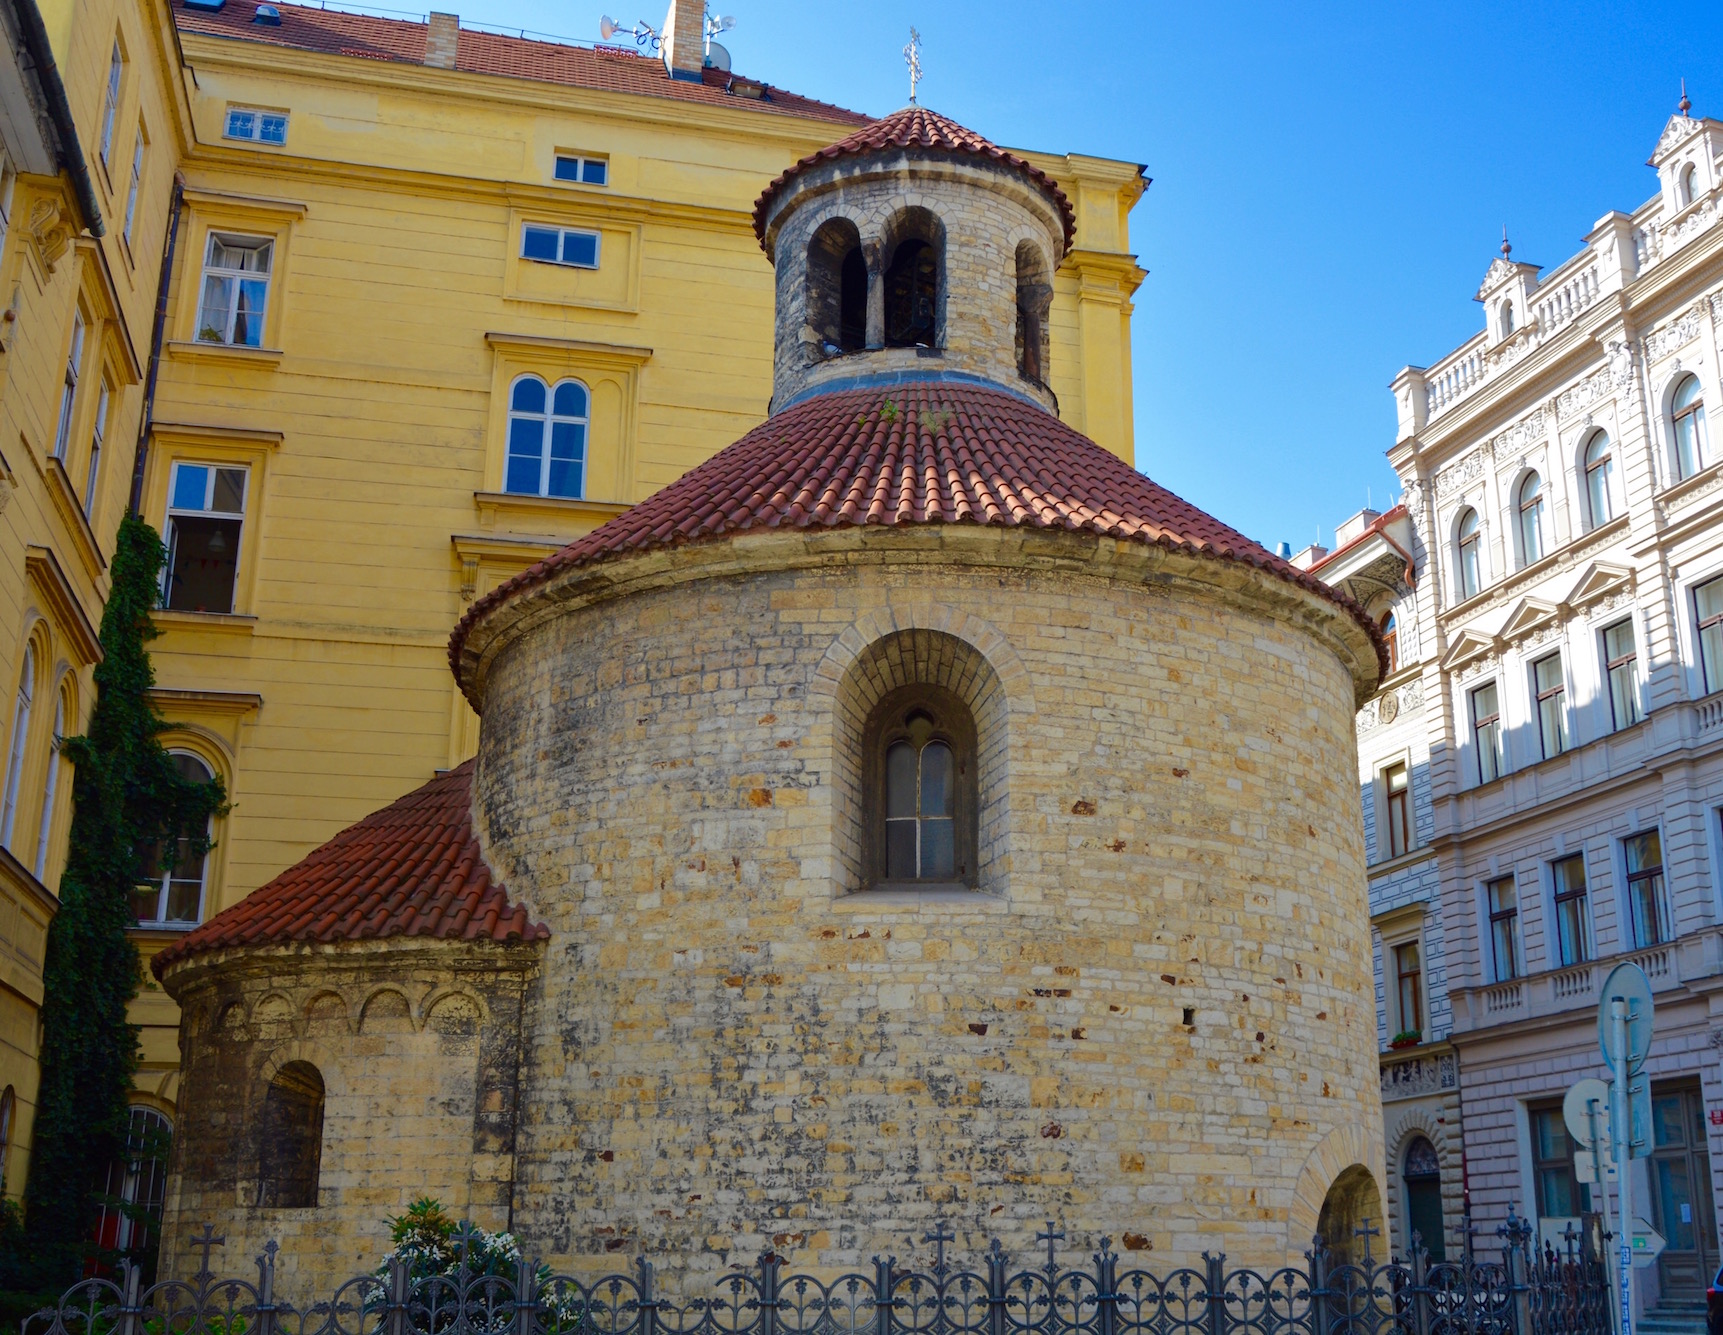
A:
[412,869]
[915,127]
[925,452]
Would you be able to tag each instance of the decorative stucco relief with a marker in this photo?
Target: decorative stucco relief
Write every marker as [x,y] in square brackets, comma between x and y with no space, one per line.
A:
[1419,1076]
[1659,343]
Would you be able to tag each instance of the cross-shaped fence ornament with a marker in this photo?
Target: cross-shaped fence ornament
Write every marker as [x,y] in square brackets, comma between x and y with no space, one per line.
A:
[204,1242]
[1050,1236]
[1367,1230]
[464,1237]
[912,58]
[939,1237]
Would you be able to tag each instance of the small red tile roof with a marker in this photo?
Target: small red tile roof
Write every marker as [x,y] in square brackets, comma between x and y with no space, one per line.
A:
[603,68]
[926,452]
[915,127]
[412,869]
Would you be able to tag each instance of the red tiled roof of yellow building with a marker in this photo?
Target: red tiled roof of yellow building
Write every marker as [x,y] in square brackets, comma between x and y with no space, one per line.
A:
[602,69]
[412,869]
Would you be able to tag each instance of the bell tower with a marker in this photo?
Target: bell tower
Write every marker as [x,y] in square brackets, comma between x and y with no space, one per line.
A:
[913,250]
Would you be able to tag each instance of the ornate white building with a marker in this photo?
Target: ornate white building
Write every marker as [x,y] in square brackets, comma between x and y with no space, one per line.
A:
[1555,719]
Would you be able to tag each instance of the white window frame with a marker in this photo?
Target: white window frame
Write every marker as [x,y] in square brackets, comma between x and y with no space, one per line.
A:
[1564,726]
[51,788]
[581,161]
[1604,470]
[69,388]
[111,99]
[164,885]
[137,180]
[1615,724]
[1515,930]
[562,235]
[1529,519]
[174,511]
[98,435]
[254,133]
[548,420]
[17,752]
[1552,935]
[236,241]
[1700,426]
[1497,759]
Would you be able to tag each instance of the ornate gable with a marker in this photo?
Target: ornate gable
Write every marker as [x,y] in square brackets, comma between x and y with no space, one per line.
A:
[1468,645]
[1529,614]
[1597,582]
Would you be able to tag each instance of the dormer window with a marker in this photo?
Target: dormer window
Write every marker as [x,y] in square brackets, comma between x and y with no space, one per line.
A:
[1507,319]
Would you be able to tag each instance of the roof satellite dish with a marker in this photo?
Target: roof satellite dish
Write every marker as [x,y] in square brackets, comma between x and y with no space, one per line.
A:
[717,57]
[607,27]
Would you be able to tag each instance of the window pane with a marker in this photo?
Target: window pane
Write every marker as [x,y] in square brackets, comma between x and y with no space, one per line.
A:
[539,243]
[229,495]
[185,893]
[900,781]
[1548,672]
[1644,851]
[241,124]
[528,396]
[190,486]
[938,850]
[526,453]
[205,555]
[1711,655]
[936,776]
[1618,640]
[272,129]
[1484,702]
[146,901]
[568,169]
[248,312]
[595,171]
[580,248]
[217,306]
[570,399]
[900,849]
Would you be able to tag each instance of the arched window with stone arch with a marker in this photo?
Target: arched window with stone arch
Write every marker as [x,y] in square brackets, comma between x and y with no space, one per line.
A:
[1688,189]
[837,288]
[1687,424]
[1468,555]
[1421,1175]
[290,1149]
[19,747]
[1507,319]
[1034,302]
[547,438]
[1391,636]
[1529,501]
[1600,478]
[175,893]
[921,782]
[914,254]
[63,710]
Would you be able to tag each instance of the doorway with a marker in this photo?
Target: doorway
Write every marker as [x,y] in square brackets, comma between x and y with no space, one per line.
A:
[1681,1205]
[1423,1181]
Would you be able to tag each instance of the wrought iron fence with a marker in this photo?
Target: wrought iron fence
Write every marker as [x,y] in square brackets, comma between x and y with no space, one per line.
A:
[1523,1292]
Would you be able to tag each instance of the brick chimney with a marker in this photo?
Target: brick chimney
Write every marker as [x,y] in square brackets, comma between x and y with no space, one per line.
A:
[443,40]
[684,39]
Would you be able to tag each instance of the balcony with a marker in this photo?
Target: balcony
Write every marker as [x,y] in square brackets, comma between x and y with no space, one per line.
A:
[1574,988]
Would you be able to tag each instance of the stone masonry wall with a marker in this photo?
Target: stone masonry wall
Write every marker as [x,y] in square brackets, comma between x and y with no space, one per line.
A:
[418,1047]
[730,1049]
[986,211]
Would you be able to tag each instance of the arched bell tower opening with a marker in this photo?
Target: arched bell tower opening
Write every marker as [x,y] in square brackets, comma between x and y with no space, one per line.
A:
[1034,304]
[837,287]
[914,253]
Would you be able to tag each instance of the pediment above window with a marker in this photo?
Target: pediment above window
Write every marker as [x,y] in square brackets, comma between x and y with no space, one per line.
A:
[1468,646]
[1528,614]
[1598,581]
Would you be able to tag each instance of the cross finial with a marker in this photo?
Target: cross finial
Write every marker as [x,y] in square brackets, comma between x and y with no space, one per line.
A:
[1367,1230]
[912,58]
[939,1237]
[1507,249]
[1050,1235]
[204,1242]
[1684,104]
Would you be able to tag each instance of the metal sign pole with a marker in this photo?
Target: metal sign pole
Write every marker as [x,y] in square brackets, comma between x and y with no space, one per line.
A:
[1602,1177]
[1623,1137]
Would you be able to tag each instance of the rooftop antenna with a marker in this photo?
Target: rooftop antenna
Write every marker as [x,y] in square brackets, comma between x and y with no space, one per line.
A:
[912,58]
[1684,104]
[644,34]
[713,27]
[1507,249]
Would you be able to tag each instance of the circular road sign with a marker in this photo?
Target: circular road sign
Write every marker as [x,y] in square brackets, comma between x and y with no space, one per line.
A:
[1575,1113]
[1628,982]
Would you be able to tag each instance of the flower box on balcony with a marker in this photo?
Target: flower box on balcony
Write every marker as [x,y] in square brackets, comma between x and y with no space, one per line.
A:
[1408,1038]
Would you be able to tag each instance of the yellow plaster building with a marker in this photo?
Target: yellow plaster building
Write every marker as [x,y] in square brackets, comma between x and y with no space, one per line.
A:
[90,132]
[439,302]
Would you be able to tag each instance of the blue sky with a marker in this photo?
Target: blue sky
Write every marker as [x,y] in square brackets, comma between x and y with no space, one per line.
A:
[1330,183]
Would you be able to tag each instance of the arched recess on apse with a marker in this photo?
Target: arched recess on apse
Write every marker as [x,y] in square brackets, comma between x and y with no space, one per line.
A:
[1342,1149]
[940,647]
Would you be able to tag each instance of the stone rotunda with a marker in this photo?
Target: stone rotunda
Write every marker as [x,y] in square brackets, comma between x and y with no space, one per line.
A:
[911,814]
